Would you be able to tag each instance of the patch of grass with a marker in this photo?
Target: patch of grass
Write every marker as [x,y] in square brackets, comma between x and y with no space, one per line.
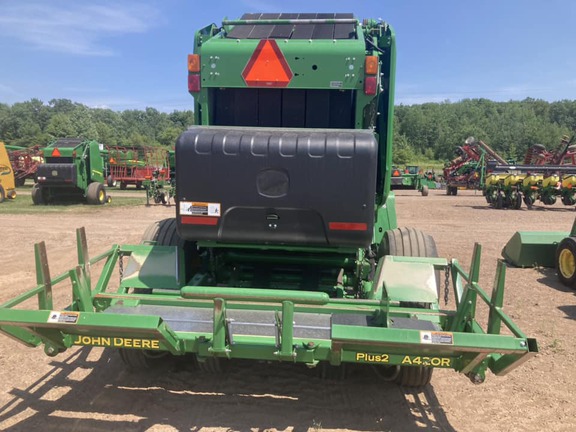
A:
[555,346]
[23,205]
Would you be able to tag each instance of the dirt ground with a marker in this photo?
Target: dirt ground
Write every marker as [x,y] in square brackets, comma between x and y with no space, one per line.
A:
[88,389]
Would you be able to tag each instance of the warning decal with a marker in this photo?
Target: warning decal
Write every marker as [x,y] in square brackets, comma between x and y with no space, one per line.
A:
[438,338]
[63,317]
[200,209]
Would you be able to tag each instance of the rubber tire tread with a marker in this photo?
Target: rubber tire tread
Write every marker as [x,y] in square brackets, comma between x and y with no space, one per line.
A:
[410,242]
[164,233]
[37,195]
[93,193]
[567,243]
[137,360]
[407,242]
[424,190]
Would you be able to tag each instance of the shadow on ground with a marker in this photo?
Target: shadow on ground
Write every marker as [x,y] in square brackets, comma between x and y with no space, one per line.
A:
[90,390]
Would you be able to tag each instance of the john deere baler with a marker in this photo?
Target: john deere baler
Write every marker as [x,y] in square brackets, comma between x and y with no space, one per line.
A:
[284,246]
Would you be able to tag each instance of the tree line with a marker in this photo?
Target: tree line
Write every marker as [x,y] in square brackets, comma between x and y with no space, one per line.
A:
[432,131]
[36,123]
[429,131]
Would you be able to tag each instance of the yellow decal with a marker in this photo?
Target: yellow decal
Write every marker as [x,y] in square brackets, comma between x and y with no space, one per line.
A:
[427,361]
[117,342]
[372,358]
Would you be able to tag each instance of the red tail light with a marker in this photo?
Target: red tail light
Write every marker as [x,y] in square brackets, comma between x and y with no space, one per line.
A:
[194,83]
[370,85]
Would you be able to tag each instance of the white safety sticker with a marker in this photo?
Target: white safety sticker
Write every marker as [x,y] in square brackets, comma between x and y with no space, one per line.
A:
[65,317]
[434,337]
[195,208]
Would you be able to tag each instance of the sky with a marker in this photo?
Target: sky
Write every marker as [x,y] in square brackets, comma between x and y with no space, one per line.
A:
[124,54]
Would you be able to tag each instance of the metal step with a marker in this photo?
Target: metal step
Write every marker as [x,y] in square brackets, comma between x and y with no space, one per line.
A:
[242,322]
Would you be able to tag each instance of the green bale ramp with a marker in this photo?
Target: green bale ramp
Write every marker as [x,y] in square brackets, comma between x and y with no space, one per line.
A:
[533,248]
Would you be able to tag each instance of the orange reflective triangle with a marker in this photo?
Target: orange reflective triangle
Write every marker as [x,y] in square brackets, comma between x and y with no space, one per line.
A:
[267,67]
[55,152]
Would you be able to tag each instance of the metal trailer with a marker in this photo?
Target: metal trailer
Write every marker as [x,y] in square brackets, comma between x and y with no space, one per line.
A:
[73,169]
[136,165]
[285,245]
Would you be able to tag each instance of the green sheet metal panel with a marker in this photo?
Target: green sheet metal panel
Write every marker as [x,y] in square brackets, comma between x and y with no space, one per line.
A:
[533,248]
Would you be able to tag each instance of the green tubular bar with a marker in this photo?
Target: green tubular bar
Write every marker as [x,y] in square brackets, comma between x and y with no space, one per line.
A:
[461,343]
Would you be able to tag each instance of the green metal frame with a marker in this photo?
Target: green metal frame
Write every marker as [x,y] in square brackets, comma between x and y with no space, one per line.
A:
[463,344]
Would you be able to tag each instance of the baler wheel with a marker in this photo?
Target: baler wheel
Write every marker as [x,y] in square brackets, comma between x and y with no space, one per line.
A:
[110,181]
[424,190]
[212,365]
[411,376]
[164,233]
[566,261]
[138,360]
[414,243]
[38,195]
[96,194]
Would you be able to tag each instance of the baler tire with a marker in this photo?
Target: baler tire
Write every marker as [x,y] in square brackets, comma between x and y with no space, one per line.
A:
[2,194]
[407,242]
[38,195]
[424,190]
[414,243]
[566,262]
[122,185]
[96,194]
[414,376]
[110,181]
[19,181]
[164,233]
[138,360]
[212,365]
[454,190]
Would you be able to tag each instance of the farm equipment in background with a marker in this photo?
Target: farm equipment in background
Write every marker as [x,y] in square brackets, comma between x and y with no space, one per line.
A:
[565,153]
[7,183]
[25,161]
[136,165]
[74,169]
[285,245]
[545,249]
[509,185]
[160,188]
[413,177]
[468,169]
